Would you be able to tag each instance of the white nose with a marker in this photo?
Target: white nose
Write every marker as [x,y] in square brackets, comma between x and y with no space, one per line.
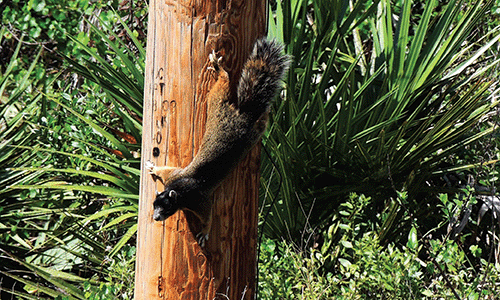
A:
[157,215]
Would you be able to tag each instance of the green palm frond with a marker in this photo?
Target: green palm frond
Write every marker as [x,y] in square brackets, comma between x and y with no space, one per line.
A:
[81,191]
[371,107]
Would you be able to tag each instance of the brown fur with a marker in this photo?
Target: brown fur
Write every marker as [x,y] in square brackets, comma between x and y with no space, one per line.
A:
[231,132]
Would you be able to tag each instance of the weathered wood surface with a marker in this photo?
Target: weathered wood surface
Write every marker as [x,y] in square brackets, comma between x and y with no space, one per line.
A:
[170,263]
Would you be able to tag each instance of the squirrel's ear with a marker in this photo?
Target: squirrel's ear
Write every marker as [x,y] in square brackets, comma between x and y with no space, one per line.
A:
[172,194]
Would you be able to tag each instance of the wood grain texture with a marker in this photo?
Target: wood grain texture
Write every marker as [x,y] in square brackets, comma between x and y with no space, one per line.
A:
[170,264]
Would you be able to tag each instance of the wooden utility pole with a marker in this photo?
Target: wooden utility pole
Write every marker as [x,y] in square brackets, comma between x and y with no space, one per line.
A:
[170,263]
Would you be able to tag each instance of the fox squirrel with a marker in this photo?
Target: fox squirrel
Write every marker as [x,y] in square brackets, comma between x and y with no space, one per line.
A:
[232,130]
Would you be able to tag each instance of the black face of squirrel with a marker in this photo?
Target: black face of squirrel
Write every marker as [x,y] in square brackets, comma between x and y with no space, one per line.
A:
[232,130]
[165,205]
[167,202]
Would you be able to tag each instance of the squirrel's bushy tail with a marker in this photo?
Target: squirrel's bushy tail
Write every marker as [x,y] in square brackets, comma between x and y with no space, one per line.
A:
[261,77]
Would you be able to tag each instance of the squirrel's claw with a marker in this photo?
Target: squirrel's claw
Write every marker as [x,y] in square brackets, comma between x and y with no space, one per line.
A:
[214,60]
[212,57]
[149,165]
[202,238]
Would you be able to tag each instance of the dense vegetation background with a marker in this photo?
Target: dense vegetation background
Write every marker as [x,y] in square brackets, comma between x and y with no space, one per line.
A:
[378,180]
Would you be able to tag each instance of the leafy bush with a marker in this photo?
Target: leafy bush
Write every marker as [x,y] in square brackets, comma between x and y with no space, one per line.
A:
[352,263]
[81,211]
[18,108]
[373,106]
[56,26]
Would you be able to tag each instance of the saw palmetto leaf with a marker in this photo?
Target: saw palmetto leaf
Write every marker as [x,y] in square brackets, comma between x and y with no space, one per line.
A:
[375,117]
[81,191]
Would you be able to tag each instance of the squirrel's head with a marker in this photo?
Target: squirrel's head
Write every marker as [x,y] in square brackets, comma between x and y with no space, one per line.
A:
[180,194]
[165,205]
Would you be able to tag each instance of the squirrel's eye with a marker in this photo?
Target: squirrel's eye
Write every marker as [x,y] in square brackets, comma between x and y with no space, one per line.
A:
[172,194]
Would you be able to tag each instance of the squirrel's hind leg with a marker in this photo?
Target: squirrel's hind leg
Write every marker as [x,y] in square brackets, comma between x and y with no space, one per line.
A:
[214,61]
[202,236]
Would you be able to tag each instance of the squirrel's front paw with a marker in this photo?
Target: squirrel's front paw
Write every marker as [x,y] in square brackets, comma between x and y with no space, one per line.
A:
[150,166]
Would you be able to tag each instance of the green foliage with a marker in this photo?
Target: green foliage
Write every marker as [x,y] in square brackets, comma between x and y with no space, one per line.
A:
[122,79]
[277,271]
[379,100]
[80,214]
[18,106]
[119,281]
[59,27]
[46,19]
[373,106]
[360,267]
